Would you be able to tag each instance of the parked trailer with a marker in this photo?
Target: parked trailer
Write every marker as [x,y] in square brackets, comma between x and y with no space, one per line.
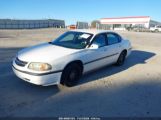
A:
[82,25]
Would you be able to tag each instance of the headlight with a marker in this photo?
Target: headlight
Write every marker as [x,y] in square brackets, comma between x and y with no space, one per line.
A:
[39,66]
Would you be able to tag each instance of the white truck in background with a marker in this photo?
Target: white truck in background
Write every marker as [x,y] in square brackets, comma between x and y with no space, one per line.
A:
[156,28]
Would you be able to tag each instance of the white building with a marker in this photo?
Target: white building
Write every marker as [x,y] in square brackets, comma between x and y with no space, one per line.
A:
[122,23]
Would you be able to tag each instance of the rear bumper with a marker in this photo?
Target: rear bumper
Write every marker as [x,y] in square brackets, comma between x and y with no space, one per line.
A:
[39,79]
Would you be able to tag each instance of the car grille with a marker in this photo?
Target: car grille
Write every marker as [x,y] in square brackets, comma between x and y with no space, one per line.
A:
[20,62]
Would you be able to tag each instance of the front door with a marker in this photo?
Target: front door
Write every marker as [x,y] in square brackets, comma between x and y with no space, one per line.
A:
[96,58]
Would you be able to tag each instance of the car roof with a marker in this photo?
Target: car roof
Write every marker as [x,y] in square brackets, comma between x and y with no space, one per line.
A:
[91,31]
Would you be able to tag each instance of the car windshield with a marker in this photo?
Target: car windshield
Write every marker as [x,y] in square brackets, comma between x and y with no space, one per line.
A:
[74,40]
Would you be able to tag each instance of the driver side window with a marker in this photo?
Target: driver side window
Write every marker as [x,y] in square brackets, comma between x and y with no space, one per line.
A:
[100,40]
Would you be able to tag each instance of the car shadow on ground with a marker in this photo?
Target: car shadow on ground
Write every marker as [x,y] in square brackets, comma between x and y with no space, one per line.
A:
[17,94]
[136,57]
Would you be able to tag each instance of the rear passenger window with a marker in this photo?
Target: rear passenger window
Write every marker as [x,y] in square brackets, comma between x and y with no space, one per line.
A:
[112,39]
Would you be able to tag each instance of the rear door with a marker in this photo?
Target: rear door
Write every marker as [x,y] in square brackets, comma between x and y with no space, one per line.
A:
[113,46]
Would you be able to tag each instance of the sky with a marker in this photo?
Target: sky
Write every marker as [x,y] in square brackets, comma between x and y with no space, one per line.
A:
[78,10]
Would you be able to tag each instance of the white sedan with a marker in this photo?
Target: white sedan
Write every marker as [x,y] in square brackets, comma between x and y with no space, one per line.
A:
[65,59]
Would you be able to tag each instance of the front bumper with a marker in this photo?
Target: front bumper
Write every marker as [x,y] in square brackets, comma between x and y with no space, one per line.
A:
[39,79]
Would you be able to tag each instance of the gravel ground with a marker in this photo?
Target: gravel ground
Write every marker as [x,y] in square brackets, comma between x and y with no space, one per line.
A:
[132,90]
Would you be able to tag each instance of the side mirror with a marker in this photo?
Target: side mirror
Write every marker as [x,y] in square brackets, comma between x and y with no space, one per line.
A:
[94,46]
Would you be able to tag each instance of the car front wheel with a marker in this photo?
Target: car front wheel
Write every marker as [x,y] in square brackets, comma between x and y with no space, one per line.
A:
[71,75]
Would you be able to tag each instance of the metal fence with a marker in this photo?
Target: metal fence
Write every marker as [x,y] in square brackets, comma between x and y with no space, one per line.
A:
[31,24]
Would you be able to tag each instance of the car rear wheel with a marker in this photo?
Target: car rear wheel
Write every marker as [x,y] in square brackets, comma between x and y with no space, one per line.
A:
[71,75]
[156,30]
[121,58]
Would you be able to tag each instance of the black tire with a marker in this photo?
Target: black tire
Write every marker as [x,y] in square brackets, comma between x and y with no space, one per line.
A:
[71,75]
[121,58]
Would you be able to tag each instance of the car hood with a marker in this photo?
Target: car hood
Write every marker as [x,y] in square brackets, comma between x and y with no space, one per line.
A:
[44,52]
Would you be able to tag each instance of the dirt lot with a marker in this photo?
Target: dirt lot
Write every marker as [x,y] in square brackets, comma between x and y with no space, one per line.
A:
[133,89]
